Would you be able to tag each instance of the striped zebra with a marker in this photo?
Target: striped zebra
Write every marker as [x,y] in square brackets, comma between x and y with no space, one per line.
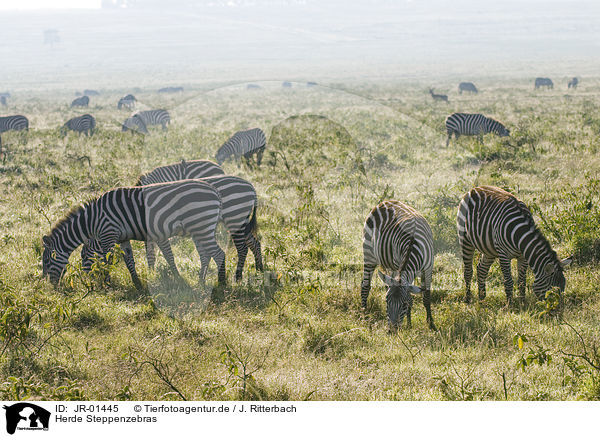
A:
[81,102]
[399,239]
[467,86]
[154,117]
[83,124]
[460,123]
[127,102]
[499,225]
[134,124]
[243,144]
[14,122]
[543,81]
[150,213]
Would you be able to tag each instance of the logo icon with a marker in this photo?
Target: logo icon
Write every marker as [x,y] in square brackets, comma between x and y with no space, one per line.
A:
[26,416]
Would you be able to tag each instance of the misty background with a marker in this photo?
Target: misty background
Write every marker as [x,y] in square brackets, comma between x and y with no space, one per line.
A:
[132,42]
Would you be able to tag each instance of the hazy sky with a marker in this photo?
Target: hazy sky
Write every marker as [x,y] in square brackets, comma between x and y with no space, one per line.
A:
[48,4]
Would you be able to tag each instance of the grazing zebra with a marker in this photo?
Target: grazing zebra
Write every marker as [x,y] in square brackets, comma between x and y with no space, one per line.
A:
[543,81]
[467,86]
[195,169]
[2,100]
[440,97]
[286,84]
[83,124]
[499,225]
[399,239]
[13,122]
[127,102]
[150,213]
[243,144]
[171,89]
[90,93]
[81,102]
[573,83]
[154,117]
[460,123]
[134,124]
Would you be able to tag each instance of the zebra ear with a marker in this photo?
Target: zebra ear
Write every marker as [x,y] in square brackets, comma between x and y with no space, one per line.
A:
[388,280]
[414,289]
[566,262]
[46,240]
[549,269]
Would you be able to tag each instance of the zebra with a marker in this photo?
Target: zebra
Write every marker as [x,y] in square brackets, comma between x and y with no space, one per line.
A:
[82,102]
[573,83]
[14,122]
[127,101]
[171,89]
[399,239]
[153,212]
[90,93]
[460,123]
[436,97]
[498,225]
[134,124]
[467,86]
[154,117]
[543,81]
[83,124]
[243,144]
[239,205]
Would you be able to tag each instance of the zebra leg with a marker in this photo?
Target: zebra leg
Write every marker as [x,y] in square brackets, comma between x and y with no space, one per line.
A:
[165,248]
[130,263]
[254,245]
[426,291]
[150,253]
[211,250]
[483,267]
[522,269]
[259,156]
[467,255]
[242,251]
[508,279]
[366,284]
[448,139]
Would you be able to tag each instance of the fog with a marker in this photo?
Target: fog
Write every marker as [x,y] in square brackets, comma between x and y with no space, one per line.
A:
[299,40]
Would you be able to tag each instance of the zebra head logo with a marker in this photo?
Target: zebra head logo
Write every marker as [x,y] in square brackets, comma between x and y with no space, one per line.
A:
[398,298]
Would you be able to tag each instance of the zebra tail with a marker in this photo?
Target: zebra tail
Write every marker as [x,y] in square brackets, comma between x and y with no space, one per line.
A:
[252,226]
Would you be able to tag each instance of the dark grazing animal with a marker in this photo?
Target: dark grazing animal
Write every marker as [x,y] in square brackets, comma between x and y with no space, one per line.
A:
[90,93]
[467,86]
[499,225]
[150,213]
[134,124]
[573,83]
[399,239]
[438,97]
[83,124]
[543,81]
[154,117]
[127,102]
[286,84]
[243,144]
[460,123]
[171,89]
[81,102]
[252,86]
[311,84]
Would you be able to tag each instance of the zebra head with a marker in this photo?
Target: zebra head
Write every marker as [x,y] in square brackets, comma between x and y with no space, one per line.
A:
[54,260]
[221,156]
[552,276]
[398,298]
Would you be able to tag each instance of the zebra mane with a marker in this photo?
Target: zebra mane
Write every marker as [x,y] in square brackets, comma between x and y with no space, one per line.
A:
[74,212]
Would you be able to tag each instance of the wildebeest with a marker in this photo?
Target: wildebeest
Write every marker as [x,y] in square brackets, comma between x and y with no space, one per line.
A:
[252,86]
[127,101]
[311,84]
[286,84]
[543,81]
[466,86]
[171,89]
[81,102]
[573,83]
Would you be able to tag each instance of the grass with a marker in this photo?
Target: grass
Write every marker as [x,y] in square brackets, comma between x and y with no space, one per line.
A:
[297,332]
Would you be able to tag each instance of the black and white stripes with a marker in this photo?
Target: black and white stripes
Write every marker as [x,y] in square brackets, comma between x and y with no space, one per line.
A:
[13,122]
[398,238]
[243,144]
[83,124]
[461,123]
[153,212]
[498,225]
[154,117]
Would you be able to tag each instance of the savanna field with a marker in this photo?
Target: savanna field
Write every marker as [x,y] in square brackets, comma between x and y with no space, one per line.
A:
[297,332]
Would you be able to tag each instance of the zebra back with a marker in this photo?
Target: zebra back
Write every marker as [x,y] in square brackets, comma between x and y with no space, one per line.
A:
[154,117]
[474,124]
[80,101]
[242,143]
[13,122]
[83,123]
[195,169]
